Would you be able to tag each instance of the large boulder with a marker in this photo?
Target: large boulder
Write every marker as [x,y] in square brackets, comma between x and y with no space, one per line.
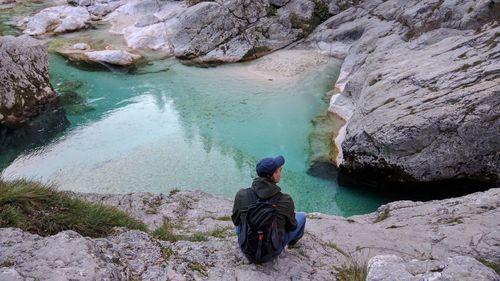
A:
[59,19]
[240,29]
[418,88]
[29,107]
[114,60]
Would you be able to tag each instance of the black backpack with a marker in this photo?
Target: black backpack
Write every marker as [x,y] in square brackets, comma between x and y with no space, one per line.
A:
[258,237]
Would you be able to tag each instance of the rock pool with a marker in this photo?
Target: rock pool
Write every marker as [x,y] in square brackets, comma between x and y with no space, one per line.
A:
[170,126]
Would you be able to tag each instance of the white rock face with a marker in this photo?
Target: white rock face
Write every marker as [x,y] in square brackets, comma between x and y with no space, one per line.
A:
[152,37]
[116,57]
[145,25]
[81,46]
[391,267]
[57,19]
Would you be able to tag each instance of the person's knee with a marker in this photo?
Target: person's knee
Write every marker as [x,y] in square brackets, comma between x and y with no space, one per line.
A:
[301,218]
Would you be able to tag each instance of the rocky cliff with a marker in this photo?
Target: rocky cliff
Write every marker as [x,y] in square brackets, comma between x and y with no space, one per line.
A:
[29,107]
[437,240]
[419,89]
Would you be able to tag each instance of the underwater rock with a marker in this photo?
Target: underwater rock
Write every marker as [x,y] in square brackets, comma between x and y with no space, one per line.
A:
[69,85]
[74,104]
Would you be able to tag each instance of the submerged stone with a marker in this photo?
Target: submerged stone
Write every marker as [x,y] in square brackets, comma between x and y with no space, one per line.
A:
[69,85]
[74,103]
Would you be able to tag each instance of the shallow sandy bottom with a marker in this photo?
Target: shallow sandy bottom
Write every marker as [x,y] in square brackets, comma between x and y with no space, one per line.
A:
[287,64]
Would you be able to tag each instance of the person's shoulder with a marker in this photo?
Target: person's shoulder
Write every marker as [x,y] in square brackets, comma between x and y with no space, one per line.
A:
[285,197]
[242,193]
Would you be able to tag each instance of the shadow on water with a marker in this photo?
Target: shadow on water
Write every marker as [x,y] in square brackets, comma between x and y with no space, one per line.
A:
[36,133]
[414,191]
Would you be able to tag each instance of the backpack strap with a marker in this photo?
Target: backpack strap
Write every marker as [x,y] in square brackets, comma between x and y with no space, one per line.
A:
[243,216]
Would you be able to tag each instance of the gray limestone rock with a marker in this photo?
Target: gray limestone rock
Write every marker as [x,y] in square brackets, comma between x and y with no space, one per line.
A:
[25,93]
[392,267]
[302,9]
[414,231]
[278,3]
[100,10]
[419,89]
[202,27]
[238,30]
[147,20]
[57,19]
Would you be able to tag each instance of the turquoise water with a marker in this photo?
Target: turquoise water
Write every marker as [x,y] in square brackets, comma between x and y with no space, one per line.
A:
[189,128]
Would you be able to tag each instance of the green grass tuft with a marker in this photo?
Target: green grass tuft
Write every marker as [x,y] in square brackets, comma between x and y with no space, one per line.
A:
[493,265]
[383,215]
[272,11]
[352,272]
[196,237]
[353,269]
[174,191]
[220,232]
[200,267]
[223,218]
[8,262]
[42,210]
[337,248]
[166,233]
[166,253]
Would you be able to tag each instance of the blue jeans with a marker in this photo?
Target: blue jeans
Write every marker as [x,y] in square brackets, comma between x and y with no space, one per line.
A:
[290,237]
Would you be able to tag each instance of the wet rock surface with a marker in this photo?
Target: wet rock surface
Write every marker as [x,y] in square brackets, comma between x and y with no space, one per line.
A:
[438,239]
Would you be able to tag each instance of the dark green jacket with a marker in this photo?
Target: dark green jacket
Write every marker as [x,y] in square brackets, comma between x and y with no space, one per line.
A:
[265,189]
